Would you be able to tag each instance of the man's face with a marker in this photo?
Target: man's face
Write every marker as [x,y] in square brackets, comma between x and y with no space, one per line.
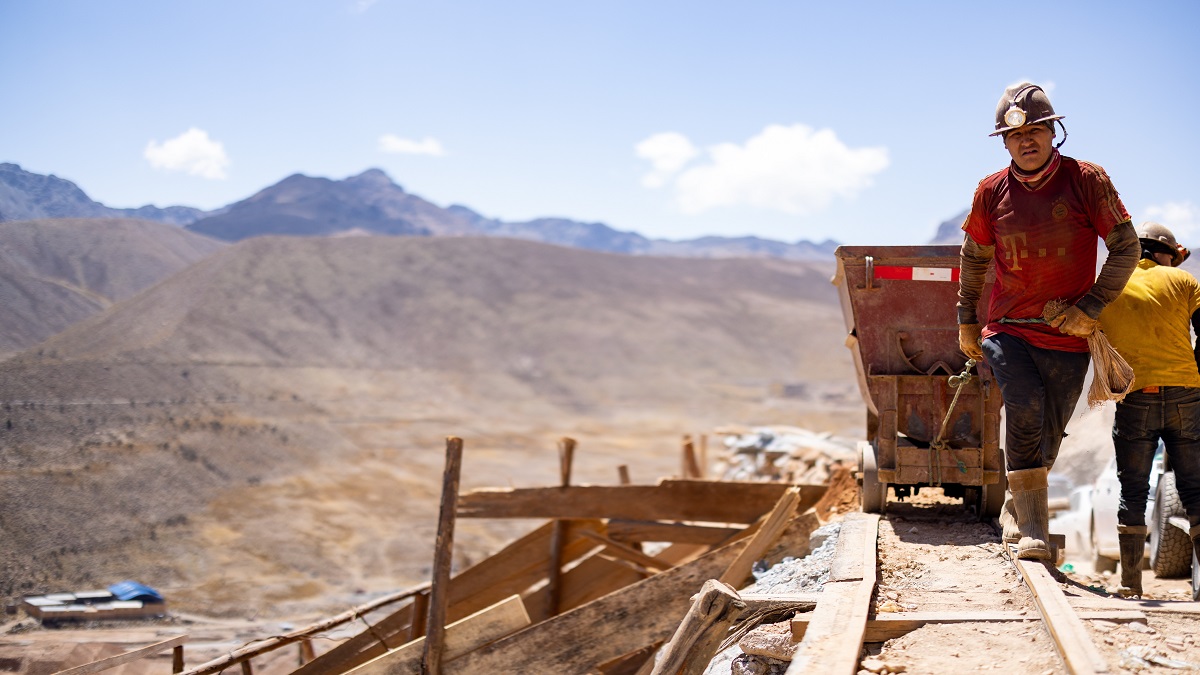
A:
[1030,146]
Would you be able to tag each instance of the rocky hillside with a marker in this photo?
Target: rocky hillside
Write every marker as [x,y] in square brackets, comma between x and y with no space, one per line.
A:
[276,410]
[54,273]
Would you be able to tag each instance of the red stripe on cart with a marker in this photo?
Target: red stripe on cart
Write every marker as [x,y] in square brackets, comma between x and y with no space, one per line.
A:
[916,273]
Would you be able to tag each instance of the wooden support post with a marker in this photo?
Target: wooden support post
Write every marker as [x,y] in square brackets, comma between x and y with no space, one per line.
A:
[623,475]
[419,613]
[566,457]
[706,623]
[690,468]
[306,651]
[431,663]
[247,669]
[177,659]
[703,456]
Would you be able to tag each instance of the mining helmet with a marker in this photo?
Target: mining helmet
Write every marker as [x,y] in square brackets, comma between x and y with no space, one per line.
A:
[1161,239]
[1023,104]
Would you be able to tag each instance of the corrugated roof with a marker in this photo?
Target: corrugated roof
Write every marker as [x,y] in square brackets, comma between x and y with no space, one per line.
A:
[132,590]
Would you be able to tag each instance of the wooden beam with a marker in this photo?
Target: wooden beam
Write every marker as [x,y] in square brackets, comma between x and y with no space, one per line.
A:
[834,638]
[633,555]
[602,630]
[688,500]
[649,530]
[127,657]
[512,570]
[443,554]
[887,626]
[1071,637]
[783,511]
[623,475]
[713,610]
[271,644]
[566,457]
[503,618]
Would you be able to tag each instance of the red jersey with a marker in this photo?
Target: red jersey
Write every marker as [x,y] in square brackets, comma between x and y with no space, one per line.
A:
[1045,243]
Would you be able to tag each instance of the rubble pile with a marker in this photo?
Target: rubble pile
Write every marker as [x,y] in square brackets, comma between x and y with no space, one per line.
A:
[782,453]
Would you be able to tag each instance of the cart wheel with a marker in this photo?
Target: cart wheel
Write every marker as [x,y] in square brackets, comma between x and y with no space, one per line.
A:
[991,503]
[874,493]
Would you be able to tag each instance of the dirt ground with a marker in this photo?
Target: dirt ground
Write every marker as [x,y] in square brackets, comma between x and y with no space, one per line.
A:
[934,556]
[918,573]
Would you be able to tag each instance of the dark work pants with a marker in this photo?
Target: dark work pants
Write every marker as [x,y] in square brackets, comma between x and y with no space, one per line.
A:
[1040,388]
[1173,415]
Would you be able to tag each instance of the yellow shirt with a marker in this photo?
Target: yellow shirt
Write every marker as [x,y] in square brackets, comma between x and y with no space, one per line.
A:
[1149,325]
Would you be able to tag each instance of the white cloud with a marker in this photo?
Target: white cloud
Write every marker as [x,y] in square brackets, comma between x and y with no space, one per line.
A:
[361,6]
[391,143]
[1183,219]
[667,152]
[793,169]
[192,152]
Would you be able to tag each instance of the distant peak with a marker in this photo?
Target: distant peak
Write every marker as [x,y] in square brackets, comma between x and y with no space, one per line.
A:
[373,177]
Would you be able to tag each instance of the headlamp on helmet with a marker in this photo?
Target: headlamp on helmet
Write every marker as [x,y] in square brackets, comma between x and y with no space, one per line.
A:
[1014,117]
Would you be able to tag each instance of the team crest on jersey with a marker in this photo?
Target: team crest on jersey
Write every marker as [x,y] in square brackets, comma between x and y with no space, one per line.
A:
[1060,211]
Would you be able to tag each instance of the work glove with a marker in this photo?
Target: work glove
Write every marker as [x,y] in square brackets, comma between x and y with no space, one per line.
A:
[1075,322]
[969,340]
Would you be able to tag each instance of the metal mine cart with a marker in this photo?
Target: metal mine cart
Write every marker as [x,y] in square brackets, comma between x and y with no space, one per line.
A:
[931,421]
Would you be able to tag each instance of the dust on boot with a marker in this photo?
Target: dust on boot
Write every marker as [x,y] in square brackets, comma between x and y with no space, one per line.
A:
[1132,540]
[1030,491]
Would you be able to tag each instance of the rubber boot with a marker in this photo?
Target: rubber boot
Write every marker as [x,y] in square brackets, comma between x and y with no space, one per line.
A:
[1132,540]
[1008,520]
[1030,493]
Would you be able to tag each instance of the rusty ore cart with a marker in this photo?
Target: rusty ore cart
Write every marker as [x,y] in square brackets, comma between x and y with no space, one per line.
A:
[899,307]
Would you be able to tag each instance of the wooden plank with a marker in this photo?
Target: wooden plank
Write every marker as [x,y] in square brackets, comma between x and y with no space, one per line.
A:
[594,577]
[512,570]
[834,638]
[887,626]
[649,530]
[462,636]
[689,500]
[263,646]
[783,511]
[1163,606]
[629,553]
[1071,638]
[847,562]
[600,631]
[127,657]
[443,551]
[713,610]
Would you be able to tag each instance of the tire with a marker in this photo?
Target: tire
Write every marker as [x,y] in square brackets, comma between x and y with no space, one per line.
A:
[874,493]
[1195,576]
[1170,548]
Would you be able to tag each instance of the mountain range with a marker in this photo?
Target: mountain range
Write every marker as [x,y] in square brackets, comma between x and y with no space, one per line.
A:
[369,203]
[261,428]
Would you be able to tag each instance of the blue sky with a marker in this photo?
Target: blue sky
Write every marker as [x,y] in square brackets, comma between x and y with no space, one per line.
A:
[863,122]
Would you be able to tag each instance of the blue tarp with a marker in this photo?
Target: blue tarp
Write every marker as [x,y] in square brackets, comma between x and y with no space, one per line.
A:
[132,590]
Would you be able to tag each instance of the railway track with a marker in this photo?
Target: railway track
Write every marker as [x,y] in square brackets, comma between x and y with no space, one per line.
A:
[929,589]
